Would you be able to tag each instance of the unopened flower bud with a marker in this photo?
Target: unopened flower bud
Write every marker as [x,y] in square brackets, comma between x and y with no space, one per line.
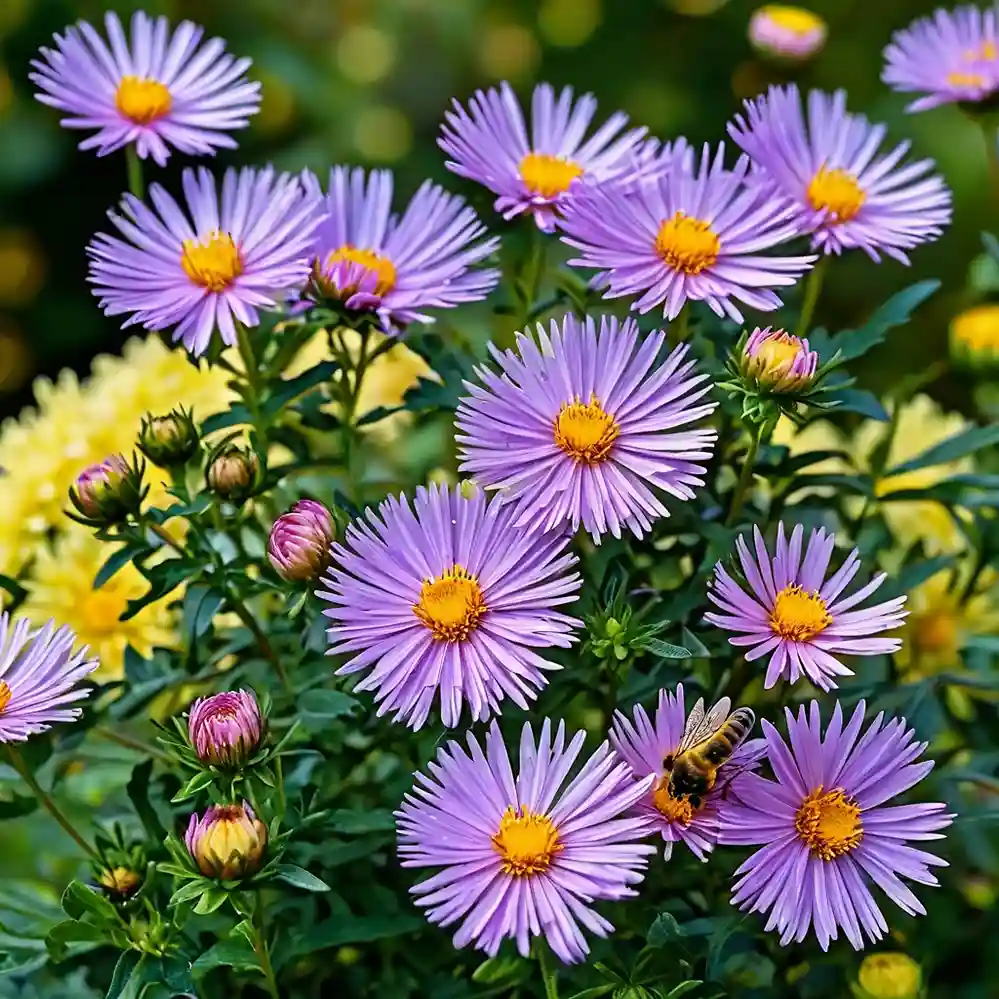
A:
[299,545]
[974,338]
[227,842]
[234,473]
[890,975]
[107,492]
[169,441]
[119,882]
[786,33]
[225,729]
[778,362]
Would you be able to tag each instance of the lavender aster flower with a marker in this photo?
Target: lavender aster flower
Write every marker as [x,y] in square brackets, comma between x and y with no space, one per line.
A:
[225,729]
[398,266]
[694,232]
[582,427]
[39,674]
[490,145]
[227,842]
[521,857]
[448,598]
[844,193]
[236,251]
[163,90]
[299,542]
[796,615]
[827,831]
[951,57]
[644,744]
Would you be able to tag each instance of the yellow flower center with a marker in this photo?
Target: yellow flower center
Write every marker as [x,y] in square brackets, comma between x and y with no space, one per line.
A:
[213,262]
[837,192]
[527,842]
[102,610]
[687,244]
[935,631]
[966,79]
[585,431]
[674,809]
[828,822]
[977,328]
[142,101]
[119,879]
[987,52]
[5,695]
[793,19]
[798,615]
[382,267]
[451,605]
[779,353]
[547,175]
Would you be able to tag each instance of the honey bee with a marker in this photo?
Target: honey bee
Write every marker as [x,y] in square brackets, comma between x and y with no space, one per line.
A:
[709,740]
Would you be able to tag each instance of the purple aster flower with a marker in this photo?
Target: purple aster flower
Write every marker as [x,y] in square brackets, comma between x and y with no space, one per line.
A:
[448,598]
[826,830]
[787,33]
[39,677]
[225,729]
[694,232]
[234,252]
[843,192]
[644,745]
[398,267]
[796,615]
[583,427]
[490,145]
[164,89]
[951,57]
[517,858]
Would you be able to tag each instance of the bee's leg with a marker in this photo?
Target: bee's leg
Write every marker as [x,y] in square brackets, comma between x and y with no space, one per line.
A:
[668,763]
[695,801]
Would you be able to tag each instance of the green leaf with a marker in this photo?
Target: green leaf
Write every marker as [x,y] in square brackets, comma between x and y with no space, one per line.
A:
[897,311]
[233,952]
[683,988]
[290,388]
[163,578]
[73,931]
[78,900]
[15,589]
[664,930]
[197,783]
[201,604]
[300,878]
[127,963]
[502,970]
[18,805]
[319,705]
[337,931]
[594,993]
[137,790]
[357,821]
[959,446]
[210,901]
[378,414]
[664,650]
[118,560]
[850,400]
[192,889]
[234,415]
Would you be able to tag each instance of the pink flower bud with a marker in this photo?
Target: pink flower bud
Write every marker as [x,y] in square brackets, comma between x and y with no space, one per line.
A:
[227,842]
[225,729]
[299,545]
[108,490]
[779,361]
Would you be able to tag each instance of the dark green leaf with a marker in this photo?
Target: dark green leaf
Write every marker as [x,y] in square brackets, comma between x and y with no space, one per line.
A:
[210,901]
[506,970]
[17,806]
[356,821]
[233,952]
[162,578]
[137,789]
[201,604]
[118,560]
[197,783]
[959,446]
[683,988]
[236,414]
[324,705]
[852,344]
[72,931]
[15,589]
[290,388]
[127,963]
[664,650]
[850,400]
[595,993]
[664,930]
[361,929]
[300,878]
[79,900]
[378,414]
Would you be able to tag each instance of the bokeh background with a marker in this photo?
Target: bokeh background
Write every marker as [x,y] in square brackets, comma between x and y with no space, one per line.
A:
[366,81]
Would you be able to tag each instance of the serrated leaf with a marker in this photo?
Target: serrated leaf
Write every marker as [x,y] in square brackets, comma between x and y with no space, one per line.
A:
[664,649]
[959,446]
[300,878]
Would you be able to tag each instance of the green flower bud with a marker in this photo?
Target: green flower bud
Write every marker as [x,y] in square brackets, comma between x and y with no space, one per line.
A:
[234,473]
[169,441]
[106,493]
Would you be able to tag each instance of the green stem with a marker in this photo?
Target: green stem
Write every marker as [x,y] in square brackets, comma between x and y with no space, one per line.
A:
[352,382]
[21,766]
[165,536]
[263,951]
[745,478]
[135,182]
[137,745]
[246,355]
[243,613]
[548,974]
[813,288]
[991,154]
[682,324]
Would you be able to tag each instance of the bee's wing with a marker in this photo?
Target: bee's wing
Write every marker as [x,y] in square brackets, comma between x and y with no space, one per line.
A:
[701,724]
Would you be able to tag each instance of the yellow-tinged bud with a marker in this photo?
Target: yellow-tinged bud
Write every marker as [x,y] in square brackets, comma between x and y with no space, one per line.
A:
[227,842]
[119,881]
[778,361]
[974,337]
[890,975]
[233,473]
[169,441]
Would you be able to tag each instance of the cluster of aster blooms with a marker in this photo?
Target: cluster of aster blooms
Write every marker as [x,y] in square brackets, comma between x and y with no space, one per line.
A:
[453,598]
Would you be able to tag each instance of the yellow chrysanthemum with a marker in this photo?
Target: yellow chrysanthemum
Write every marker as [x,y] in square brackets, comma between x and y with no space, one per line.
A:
[939,625]
[76,425]
[922,424]
[61,587]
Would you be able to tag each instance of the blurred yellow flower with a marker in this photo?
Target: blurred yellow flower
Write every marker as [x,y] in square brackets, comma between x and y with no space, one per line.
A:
[974,336]
[890,975]
[61,587]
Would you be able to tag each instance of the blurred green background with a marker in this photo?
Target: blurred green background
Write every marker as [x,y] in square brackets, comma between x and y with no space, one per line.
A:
[367,82]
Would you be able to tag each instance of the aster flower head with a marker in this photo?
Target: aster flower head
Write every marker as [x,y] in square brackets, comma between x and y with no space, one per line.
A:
[778,361]
[299,543]
[645,743]
[108,491]
[524,855]
[826,828]
[233,252]
[580,426]
[787,33]
[39,677]
[226,842]
[694,232]
[843,192]
[225,729]
[951,57]
[397,266]
[446,598]
[156,91]
[489,144]
[797,616]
